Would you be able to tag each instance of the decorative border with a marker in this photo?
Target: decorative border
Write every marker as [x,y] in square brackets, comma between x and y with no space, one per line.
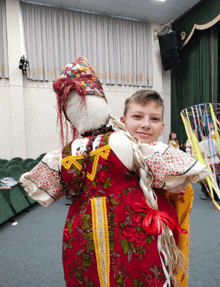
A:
[201,27]
[104,151]
[101,239]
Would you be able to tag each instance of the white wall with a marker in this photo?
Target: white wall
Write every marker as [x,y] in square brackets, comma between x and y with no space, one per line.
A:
[166,86]
[28,108]
[5,119]
[40,118]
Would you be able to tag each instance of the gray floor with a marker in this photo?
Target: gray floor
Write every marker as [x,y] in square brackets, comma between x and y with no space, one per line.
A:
[204,265]
[30,252]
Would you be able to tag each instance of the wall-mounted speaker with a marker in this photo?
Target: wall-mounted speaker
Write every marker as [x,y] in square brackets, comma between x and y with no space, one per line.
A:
[169,50]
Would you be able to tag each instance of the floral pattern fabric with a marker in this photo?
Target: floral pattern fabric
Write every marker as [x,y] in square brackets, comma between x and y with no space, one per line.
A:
[134,258]
[80,76]
[172,167]
[42,183]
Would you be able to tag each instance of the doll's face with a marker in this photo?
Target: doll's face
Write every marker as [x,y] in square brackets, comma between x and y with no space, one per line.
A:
[144,122]
[87,116]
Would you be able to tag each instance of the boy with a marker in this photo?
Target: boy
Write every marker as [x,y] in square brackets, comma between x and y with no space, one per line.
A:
[143,119]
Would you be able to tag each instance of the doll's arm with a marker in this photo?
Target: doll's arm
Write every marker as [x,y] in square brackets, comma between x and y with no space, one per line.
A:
[42,183]
[172,169]
[178,183]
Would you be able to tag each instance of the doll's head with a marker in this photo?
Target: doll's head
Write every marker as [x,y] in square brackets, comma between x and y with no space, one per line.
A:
[80,97]
[86,116]
[143,116]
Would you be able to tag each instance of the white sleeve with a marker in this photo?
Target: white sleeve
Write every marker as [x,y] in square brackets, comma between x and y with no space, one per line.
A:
[172,169]
[42,183]
[178,183]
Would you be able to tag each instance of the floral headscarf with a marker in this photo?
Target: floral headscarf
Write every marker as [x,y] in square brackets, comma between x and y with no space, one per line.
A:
[78,76]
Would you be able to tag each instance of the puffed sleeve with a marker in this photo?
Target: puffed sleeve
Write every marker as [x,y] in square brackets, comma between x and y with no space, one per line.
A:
[42,183]
[172,169]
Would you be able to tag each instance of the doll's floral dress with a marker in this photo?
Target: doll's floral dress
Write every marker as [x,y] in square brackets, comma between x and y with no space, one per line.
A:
[104,243]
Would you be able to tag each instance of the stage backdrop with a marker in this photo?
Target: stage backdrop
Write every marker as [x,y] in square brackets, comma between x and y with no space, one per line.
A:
[196,79]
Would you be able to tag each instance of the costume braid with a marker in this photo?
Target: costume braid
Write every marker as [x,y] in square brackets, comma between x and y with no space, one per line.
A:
[172,257]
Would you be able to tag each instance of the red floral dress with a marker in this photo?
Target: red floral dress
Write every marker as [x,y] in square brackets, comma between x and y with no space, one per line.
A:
[104,243]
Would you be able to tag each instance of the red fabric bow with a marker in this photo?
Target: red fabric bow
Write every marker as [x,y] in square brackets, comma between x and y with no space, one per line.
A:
[152,222]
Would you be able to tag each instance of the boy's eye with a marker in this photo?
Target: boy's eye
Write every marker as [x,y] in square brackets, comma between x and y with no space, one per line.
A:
[155,119]
[136,116]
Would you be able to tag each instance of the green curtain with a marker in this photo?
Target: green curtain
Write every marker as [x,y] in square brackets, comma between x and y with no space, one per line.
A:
[195,80]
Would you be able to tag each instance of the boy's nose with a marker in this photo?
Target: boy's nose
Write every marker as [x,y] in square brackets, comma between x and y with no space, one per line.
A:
[145,123]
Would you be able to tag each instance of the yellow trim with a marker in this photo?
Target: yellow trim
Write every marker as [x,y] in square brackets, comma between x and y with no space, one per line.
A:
[104,151]
[215,127]
[101,239]
[183,209]
[201,27]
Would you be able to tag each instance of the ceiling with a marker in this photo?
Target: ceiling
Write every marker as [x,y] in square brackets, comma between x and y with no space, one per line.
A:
[156,11]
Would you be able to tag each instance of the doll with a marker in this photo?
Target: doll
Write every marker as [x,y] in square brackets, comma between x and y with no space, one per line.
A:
[107,239]
[173,140]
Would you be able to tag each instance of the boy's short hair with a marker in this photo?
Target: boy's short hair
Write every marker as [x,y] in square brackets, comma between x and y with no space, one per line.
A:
[143,97]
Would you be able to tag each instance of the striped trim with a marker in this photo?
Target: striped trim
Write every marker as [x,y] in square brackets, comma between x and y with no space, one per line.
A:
[101,239]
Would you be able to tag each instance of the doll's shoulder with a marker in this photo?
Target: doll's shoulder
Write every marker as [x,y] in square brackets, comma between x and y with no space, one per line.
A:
[155,147]
[120,140]
[122,146]
[78,146]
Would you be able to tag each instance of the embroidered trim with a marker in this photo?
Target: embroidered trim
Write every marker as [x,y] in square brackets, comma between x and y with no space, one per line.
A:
[24,186]
[166,150]
[43,162]
[101,239]
[104,151]
[46,179]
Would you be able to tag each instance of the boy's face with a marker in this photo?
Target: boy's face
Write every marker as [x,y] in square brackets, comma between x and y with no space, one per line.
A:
[144,122]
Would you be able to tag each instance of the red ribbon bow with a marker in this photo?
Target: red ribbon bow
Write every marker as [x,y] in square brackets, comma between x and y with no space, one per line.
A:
[152,222]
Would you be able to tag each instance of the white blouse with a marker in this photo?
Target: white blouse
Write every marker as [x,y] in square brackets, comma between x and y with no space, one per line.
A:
[172,169]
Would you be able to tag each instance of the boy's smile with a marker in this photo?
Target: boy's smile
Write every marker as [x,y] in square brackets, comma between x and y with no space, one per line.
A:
[144,122]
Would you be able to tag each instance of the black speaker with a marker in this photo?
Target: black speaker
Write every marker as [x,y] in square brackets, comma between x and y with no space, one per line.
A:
[169,50]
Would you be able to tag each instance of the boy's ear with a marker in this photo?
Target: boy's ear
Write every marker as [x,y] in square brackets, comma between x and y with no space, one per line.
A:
[162,128]
[122,119]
